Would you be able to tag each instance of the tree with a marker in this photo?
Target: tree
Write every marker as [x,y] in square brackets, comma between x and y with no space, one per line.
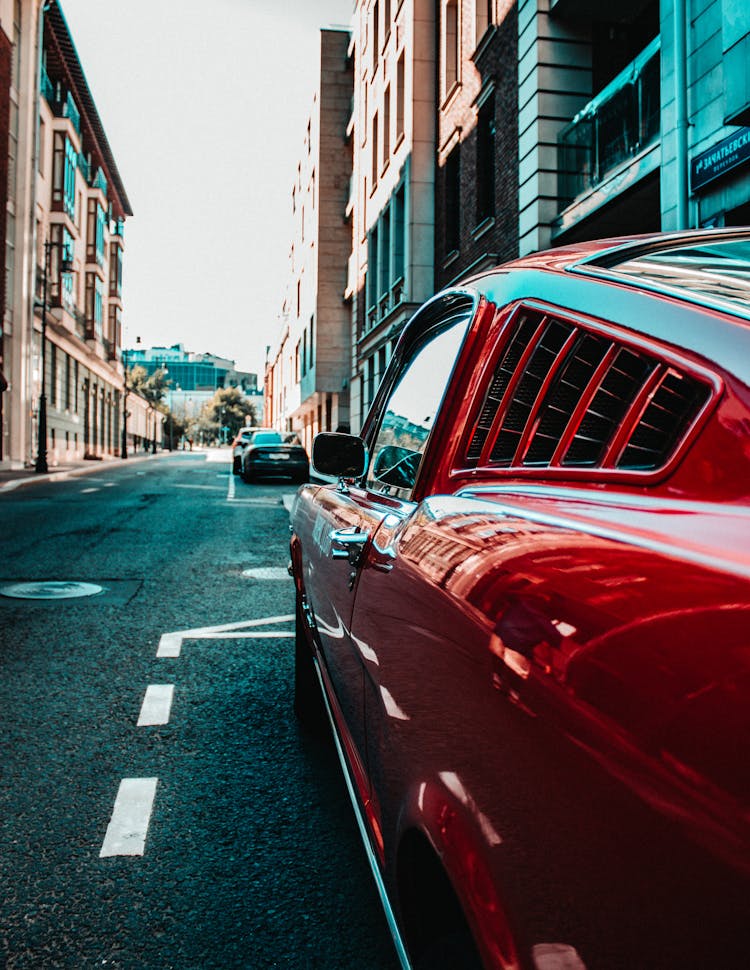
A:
[153,387]
[228,409]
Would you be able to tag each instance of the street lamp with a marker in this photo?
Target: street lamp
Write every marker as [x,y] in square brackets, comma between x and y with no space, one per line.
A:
[126,390]
[66,266]
[170,413]
[160,366]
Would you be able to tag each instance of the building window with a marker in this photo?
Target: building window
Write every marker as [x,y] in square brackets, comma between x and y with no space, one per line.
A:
[64,164]
[296,363]
[385,251]
[375,34]
[372,269]
[67,398]
[95,233]
[386,19]
[60,284]
[400,95]
[451,47]
[363,115]
[398,229]
[115,329]
[453,200]
[485,17]
[374,150]
[299,296]
[370,391]
[386,125]
[15,66]
[304,353]
[94,307]
[10,265]
[53,374]
[486,160]
[115,270]
[312,343]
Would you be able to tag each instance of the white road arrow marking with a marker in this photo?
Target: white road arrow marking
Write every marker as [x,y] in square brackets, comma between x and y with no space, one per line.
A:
[170,644]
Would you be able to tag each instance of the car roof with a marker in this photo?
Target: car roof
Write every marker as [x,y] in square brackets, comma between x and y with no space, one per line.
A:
[707,267]
[626,281]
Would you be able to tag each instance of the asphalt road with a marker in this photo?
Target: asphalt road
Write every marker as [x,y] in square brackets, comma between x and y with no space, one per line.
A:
[238,848]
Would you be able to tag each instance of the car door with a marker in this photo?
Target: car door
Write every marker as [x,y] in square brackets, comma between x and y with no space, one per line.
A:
[347,522]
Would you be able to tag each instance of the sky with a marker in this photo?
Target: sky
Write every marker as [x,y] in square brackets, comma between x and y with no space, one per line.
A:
[205,107]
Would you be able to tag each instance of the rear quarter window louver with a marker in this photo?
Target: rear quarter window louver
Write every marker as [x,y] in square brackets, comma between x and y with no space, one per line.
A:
[565,397]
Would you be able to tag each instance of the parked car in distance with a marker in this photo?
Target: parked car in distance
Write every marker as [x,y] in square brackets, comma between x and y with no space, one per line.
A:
[524,609]
[238,446]
[266,454]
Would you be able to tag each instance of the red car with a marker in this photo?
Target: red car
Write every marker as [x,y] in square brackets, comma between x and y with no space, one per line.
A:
[525,610]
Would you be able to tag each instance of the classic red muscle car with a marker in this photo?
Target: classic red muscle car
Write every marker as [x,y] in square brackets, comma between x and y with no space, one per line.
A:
[525,610]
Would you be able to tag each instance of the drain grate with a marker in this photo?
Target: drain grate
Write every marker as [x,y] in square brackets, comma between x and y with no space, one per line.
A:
[50,590]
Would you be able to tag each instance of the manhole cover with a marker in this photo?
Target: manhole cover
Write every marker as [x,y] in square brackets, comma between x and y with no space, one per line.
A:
[266,572]
[50,590]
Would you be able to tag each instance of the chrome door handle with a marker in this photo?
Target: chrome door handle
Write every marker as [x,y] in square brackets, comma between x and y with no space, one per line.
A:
[350,541]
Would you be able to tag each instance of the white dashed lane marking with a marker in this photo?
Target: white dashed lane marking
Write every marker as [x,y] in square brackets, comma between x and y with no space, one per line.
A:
[85,490]
[157,704]
[131,815]
[128,827]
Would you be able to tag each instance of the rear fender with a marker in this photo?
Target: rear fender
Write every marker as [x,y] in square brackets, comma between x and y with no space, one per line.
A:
[462,838]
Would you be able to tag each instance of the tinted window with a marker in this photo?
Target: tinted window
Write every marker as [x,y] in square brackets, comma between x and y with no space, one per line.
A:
[267,438]
[411,410]
[717,272]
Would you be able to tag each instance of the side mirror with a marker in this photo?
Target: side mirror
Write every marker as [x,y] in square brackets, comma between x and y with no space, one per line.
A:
[340,455]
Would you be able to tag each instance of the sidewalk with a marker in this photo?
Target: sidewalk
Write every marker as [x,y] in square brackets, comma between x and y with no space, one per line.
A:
[16,478]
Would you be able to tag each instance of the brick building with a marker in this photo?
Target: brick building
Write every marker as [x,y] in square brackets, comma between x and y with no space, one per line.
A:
[392,205]
[477,138]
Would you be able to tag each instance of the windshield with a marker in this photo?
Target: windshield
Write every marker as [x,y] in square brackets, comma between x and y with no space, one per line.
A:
[267,438]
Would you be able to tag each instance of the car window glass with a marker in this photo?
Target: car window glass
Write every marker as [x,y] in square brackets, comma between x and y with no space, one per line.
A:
[410,413]
[267,438]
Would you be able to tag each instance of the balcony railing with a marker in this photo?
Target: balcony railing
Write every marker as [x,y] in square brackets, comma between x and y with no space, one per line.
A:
[85,167]
[62,105]
[100,182]
[616,125]
[70,110]
[48,88]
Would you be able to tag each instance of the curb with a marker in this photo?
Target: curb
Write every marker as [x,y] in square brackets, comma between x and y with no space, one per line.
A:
[73,471]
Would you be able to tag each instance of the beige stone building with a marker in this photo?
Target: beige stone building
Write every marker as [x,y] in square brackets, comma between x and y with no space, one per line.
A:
[392,203]
[307,374]
[65,210]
